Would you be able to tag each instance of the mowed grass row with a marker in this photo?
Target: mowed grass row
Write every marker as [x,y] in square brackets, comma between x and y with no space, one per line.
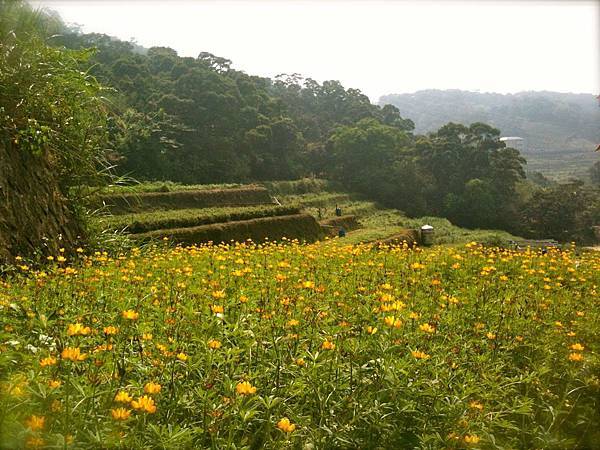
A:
[182,199]
[301,227]
[378,223]
[303,346]
[179,218]
[154,186]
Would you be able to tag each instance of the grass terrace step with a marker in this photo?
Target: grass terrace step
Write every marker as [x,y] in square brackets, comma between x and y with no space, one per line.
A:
[184,199]
[332,226]
[303,227]
[182,218]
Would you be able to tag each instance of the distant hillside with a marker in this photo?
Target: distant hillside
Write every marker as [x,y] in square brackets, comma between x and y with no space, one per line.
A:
[560,130]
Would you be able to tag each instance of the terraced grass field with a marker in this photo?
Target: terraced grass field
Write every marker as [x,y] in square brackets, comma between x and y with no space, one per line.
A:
[303,346]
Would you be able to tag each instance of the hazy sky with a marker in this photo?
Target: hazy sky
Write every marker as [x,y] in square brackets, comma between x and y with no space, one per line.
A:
[377,47]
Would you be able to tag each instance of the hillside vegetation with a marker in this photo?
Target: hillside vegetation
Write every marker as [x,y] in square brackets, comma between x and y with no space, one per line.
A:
[561,131]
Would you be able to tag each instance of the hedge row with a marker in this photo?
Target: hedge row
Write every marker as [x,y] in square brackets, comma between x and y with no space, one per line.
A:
[182,218]
[148,201]
[303,227]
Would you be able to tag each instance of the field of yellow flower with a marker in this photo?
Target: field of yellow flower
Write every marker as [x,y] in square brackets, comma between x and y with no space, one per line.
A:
[303,346]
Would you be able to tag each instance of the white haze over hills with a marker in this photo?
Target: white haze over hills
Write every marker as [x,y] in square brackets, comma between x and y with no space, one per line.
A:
[375,46]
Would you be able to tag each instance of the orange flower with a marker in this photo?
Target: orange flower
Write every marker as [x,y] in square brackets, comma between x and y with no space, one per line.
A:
[427,328]
[120,413]
[123,397]
[49,361]
[214,344]
[328,345]
[144,403]
[578,347]
[392,321]
[575,357]
[245,388]
[78,329]
[73,354]
[152,388]
[130,314]
[285,425]
[35,422]
[54,384]
[420,355]
[217,309]
[110,330]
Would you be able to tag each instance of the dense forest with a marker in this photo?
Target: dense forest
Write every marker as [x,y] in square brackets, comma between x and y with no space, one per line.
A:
[560,130]
[198,120]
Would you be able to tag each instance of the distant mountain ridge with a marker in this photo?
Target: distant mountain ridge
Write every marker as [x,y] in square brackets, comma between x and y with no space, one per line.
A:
[561,130]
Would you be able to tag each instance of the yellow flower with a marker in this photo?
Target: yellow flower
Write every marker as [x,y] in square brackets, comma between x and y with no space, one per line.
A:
[392,321]
[120,413]
[54,384]
[300,362]
[245,388]
[214,344]
[147,336]
[130,314]
[491,336]
[371,330]
[293,323]
[73,354]
[78,329]
[472,439]
[243,299]
[123,397]
[575,357]
[35,422]
[308,284]
[217,309]
[49,361]
[285,425]
[328,345]
[182,356]
[476,405]
[144,403]
[152,388]
[420,355]
[426,328]
[578,347]
[110,330]
[218,294]
[34,442]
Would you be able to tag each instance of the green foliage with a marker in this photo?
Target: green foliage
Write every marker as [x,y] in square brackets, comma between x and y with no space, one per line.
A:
[595,173]
[48,106]
[563,212]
